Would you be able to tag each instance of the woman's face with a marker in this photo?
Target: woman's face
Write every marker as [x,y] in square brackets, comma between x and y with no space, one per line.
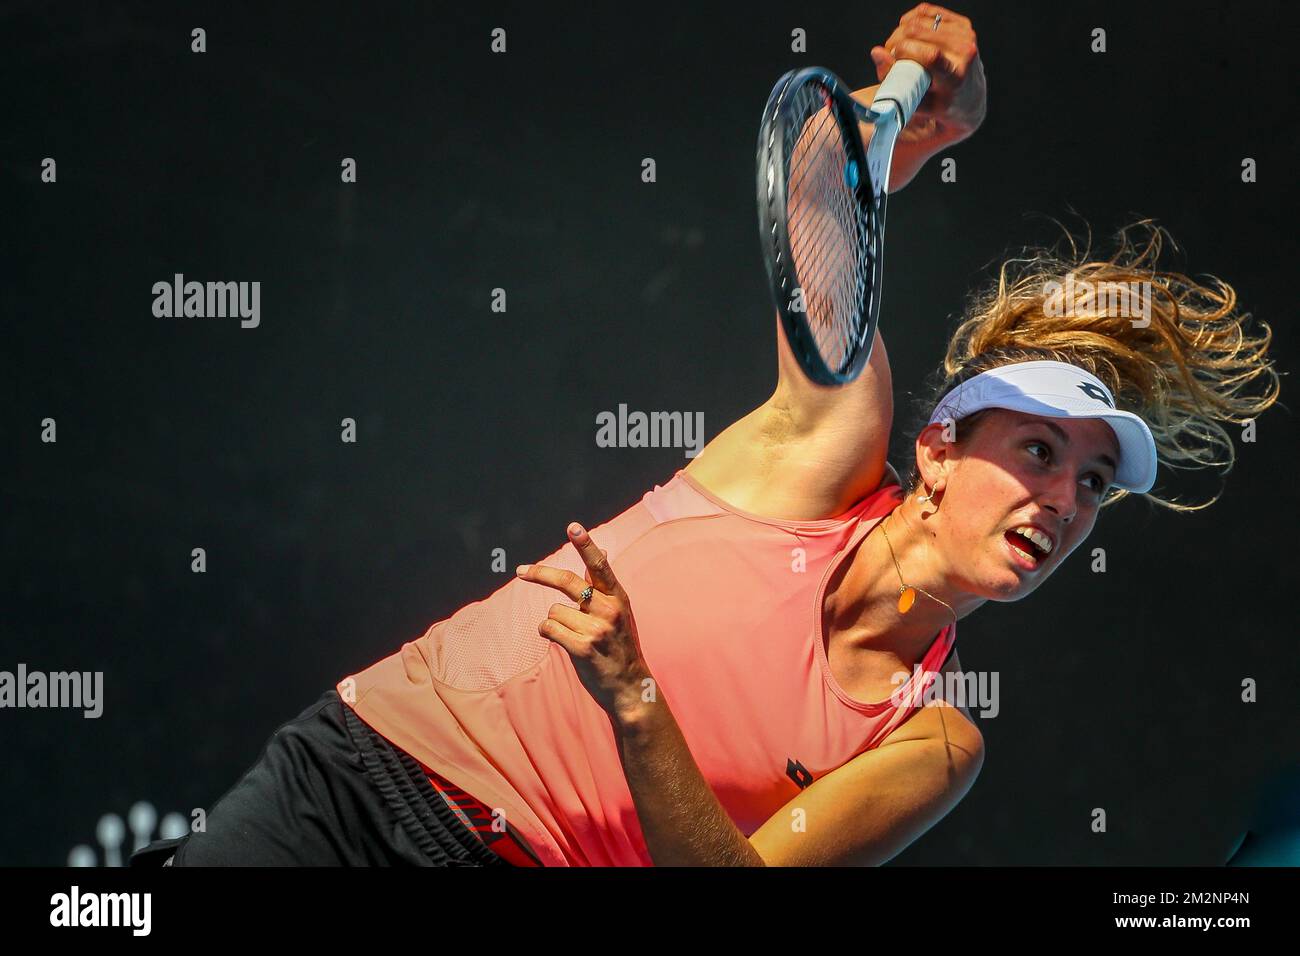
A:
[1013,471]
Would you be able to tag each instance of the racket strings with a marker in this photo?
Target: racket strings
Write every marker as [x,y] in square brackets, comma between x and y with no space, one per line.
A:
[831,235]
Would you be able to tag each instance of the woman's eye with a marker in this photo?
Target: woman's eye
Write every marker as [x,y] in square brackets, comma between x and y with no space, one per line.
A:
[1095,481]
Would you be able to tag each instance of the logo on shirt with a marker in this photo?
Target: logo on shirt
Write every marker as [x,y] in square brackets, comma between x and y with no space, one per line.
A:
[798,773]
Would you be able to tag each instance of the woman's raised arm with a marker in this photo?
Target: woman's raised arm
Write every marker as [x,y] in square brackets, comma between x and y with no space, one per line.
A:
[847,427]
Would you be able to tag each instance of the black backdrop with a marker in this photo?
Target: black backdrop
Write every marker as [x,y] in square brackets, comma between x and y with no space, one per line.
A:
[522,171]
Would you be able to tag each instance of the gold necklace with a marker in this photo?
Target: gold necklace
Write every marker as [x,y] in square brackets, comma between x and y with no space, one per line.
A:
[907,592]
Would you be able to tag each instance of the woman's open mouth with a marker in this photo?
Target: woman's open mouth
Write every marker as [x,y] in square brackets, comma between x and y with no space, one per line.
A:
[1025,552]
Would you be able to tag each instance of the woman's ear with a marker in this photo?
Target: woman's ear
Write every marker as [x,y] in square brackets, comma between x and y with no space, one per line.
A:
[932,450]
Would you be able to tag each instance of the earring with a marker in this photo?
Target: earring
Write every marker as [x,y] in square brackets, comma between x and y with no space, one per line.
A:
[930,495]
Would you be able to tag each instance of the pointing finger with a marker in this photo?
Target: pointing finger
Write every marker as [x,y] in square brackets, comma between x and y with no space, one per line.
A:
[596,560]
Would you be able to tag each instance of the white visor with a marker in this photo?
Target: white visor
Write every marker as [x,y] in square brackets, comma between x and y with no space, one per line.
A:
[1059,390]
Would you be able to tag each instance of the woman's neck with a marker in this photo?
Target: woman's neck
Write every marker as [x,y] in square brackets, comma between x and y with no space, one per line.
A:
[865,602]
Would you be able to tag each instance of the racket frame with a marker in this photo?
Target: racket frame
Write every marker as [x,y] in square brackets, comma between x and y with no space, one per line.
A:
[778,258]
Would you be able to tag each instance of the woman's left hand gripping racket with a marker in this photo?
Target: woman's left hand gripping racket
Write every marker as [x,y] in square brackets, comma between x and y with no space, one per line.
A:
[821,210]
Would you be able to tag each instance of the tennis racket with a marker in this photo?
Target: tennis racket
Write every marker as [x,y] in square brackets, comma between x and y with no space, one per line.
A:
[821,210]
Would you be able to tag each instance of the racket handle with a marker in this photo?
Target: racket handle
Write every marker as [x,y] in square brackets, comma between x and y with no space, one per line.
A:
[904,86]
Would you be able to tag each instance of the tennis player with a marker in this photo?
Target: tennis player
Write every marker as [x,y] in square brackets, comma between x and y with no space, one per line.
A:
[734,670]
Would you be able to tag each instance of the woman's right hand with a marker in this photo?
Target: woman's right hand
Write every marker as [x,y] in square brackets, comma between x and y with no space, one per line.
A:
[954,106]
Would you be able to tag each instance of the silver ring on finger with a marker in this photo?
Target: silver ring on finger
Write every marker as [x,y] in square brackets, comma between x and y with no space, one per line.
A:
[937,18]
[586,595]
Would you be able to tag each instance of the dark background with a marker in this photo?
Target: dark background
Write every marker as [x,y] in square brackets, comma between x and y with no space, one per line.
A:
[522,170]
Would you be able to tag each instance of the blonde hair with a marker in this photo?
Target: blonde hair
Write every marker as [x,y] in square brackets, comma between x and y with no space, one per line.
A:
[1197,364]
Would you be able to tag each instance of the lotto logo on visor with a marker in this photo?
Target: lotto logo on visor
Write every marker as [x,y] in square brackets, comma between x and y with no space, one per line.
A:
[1096,392]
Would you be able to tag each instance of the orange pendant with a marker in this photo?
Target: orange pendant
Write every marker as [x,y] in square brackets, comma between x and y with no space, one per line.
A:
[906,597]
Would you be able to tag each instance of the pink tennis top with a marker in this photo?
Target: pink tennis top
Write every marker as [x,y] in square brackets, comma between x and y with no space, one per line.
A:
[729,614]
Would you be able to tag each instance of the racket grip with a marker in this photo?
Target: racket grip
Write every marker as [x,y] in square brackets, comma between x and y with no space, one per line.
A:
[905,84]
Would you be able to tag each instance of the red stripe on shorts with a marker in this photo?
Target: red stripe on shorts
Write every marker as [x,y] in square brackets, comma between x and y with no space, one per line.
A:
[477,818]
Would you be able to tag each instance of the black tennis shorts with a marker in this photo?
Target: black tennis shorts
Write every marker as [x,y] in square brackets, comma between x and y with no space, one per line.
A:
[327,791]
